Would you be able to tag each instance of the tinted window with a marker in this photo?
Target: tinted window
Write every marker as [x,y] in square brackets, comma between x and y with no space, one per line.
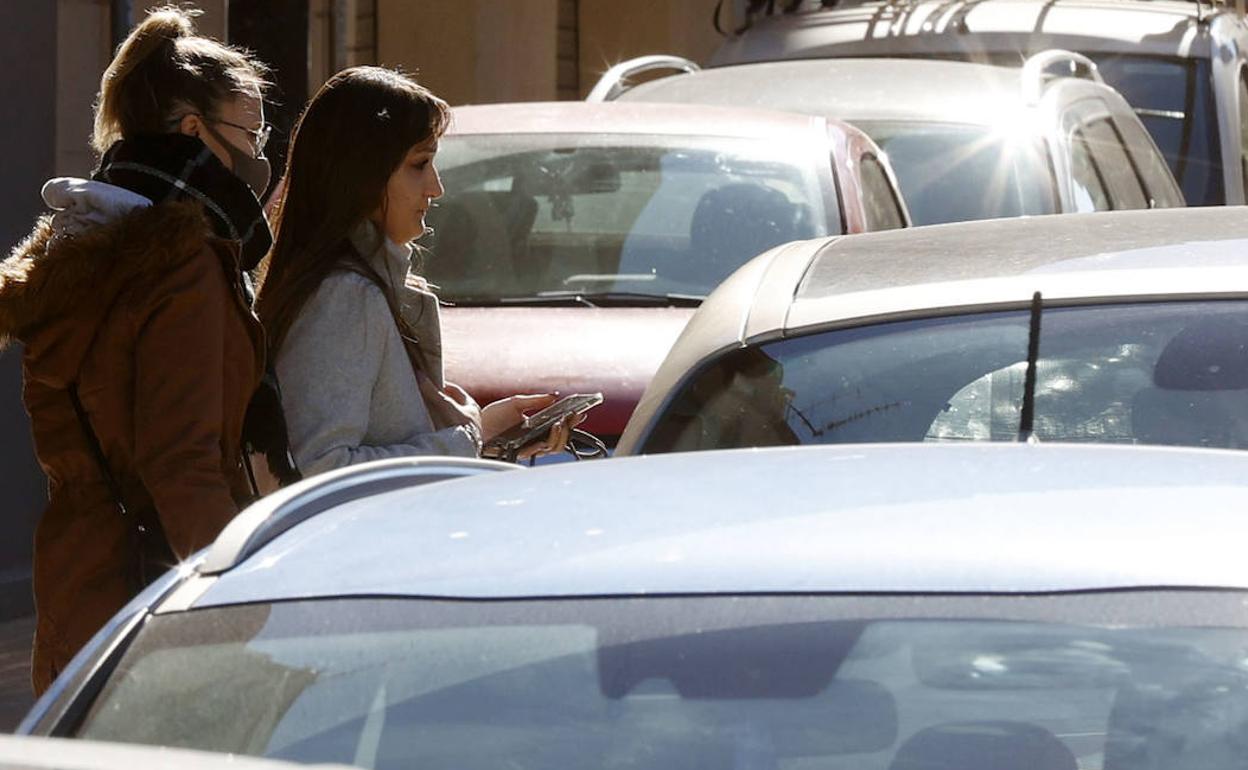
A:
[882,210]
[1089,183]
[1243,125]
[1170,373]
[956,173]
[752,683]
[532,215]
[1126,191]
[1150,165]
[1174,99]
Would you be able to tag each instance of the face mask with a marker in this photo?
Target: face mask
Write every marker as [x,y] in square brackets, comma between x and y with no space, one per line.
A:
[253,171]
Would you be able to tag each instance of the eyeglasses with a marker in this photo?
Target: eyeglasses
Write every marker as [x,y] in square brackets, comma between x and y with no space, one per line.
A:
[259,136]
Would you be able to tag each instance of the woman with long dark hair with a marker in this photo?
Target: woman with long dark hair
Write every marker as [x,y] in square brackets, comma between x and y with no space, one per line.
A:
[141,352]
[354,332]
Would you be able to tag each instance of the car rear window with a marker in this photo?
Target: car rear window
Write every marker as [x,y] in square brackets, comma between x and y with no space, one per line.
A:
[1174,99]
[1114,680]
[1153,373]
[958,173]
[535,215]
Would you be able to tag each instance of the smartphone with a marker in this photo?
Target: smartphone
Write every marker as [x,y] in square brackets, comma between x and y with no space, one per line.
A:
[536,426]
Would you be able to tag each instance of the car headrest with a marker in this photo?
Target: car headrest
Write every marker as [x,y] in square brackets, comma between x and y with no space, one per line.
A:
[984,746]
[1208,355]
[738,221]
[471,244]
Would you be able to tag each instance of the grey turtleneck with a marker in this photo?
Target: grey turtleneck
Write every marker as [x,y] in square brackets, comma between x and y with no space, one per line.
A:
[348,389]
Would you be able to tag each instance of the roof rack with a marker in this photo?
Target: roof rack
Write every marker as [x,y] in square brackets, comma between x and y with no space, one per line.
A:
[1237,5]
[788,7]
[750,9]
[263,521]
[1038,69]
[615,81]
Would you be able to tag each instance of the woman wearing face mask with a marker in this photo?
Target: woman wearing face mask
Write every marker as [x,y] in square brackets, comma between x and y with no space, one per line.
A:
[141,351]
[355,334]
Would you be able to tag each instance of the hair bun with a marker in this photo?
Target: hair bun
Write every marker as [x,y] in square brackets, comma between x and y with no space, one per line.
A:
[166,23]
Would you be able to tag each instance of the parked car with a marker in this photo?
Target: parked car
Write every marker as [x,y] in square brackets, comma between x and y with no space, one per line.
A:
[574,239]
[1139,336]
[36,753]
[871,607]
[967,141]
[1181,64]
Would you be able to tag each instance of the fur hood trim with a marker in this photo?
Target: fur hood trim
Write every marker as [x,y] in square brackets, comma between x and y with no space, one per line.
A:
[51,277]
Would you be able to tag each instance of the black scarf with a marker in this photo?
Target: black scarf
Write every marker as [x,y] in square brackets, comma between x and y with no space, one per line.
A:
[173,167]
[177,167]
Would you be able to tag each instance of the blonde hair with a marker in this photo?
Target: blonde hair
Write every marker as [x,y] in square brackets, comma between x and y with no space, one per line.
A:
[162,68]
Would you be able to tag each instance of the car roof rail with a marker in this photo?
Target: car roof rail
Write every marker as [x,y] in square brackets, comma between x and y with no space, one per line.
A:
[615,81]
[1039,69]
[260,523]
[1235,5]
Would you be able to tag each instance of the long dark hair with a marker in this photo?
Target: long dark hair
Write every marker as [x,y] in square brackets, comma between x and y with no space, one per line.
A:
[353,135]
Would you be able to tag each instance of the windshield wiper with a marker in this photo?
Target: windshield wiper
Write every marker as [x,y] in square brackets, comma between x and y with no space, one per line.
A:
[1027,415]
[586,299]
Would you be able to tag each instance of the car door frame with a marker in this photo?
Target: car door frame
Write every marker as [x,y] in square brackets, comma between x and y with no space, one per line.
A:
[1228,56]
[827,149]
[847,163]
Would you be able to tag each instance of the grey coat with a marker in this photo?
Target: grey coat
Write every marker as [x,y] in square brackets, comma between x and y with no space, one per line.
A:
[348,389]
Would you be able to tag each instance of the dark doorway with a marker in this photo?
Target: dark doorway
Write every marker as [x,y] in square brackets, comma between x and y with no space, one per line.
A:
[277,31]
[28,80]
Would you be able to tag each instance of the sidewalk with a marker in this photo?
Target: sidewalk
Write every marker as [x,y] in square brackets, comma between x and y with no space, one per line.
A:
[15,695]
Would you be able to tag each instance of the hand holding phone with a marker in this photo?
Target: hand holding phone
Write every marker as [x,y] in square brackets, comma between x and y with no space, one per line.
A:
[511,442]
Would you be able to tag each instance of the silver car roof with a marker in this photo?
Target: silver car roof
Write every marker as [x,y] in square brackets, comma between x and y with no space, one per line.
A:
[850,89]
[636,119]
[997,248]
[963,266]
[985,518]
[1157,27]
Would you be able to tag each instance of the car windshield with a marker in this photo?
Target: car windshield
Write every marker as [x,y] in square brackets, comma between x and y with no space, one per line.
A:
[550,216]
[1120,681]
[1002,175]
[1174,99]
[1164,373]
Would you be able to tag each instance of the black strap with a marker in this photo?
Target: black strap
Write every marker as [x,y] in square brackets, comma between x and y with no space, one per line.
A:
[94,444]
[152,553]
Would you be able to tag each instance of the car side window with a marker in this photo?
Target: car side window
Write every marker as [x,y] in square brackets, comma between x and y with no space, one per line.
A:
[1162,191]
[1126,191]
[1089,182]
[1243,124]
[882,209]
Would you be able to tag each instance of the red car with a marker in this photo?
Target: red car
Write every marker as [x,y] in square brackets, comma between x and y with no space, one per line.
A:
[575,239]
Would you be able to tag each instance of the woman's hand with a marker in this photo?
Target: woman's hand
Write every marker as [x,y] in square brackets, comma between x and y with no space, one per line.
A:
[453,405]
[464,402]
[500,415]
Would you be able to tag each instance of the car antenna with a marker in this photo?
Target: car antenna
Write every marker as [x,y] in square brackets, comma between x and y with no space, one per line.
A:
[1027,418]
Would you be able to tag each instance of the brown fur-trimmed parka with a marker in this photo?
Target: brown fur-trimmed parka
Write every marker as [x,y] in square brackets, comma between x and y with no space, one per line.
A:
[146,316]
